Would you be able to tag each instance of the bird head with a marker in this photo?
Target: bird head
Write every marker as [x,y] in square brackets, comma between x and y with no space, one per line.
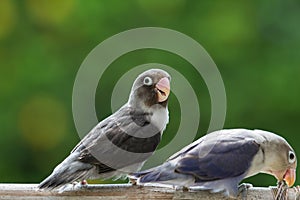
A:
[150,88]
[282,162]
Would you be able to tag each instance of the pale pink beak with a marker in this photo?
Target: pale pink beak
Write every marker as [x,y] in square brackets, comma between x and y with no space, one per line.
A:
[163,89]
[290,177]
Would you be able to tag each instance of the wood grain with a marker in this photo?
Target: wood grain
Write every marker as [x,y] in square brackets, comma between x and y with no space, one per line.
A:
[123,191]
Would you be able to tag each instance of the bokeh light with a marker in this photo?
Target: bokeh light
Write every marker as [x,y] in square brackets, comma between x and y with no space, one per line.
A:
[43,122]
[7,17]
[49,12]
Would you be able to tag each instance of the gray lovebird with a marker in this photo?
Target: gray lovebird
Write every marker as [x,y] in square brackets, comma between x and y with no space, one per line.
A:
[122,142]
[219,161]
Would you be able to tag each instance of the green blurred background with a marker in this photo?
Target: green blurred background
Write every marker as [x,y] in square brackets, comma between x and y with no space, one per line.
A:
[255,44]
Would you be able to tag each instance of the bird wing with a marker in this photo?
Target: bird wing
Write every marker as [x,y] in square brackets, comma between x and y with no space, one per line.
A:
[214,158]
[112,145]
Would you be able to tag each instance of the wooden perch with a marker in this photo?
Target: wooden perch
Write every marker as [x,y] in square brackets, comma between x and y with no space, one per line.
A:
[124,191]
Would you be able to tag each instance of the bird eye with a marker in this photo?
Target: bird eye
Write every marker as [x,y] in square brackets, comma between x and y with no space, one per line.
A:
[292,157]
[148,81]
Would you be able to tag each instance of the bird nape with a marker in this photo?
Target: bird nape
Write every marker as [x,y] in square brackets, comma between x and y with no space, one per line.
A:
[122,142]
[219,161]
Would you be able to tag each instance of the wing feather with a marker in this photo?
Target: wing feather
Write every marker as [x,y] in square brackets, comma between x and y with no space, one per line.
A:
[104,145]
[226,158]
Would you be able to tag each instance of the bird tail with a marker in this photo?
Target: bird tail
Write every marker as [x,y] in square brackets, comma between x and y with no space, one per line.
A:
[150,175]
[163,174]
[69,171]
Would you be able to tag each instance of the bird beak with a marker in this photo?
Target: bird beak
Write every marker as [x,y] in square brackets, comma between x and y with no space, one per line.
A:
[290,177]
[163,89]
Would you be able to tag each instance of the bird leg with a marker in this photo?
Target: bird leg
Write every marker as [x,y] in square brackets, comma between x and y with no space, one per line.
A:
[243,189]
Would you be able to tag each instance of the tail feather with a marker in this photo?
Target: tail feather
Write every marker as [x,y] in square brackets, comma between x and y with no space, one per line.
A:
[152,175]
[69,171]
[52,182]
[164,174]
[136,175]
[58,180]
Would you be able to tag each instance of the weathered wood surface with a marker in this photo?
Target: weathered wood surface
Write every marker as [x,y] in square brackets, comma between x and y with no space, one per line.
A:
[124,191]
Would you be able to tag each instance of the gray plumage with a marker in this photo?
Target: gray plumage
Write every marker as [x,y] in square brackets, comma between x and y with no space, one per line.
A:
[122,142]
[220,160]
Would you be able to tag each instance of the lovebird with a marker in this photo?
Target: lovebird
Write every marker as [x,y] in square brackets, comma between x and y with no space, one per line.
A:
[122,142]
[220,160]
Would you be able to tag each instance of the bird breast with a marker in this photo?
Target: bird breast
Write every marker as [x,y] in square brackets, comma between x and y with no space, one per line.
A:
[159,117]
[257,164]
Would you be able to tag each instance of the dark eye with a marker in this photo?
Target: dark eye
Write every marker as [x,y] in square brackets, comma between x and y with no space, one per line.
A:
[148,81]
[292,157]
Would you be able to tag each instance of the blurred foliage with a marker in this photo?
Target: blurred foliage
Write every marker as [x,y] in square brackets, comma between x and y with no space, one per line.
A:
[255,45]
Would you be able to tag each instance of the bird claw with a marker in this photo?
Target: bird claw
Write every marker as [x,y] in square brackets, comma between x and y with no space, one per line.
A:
[132,181]
[243,189]
[185,189]
[83,184]
[182,188]
[79,185]
[280,192]
[297,190]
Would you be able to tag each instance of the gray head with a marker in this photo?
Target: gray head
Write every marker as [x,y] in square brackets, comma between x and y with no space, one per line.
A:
[150,88]
[280,158]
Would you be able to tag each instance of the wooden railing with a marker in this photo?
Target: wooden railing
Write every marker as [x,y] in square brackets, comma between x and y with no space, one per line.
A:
[125,191]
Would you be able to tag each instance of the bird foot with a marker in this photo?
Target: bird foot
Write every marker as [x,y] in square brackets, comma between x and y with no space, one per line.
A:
[83,184]
[181,188]
[280,192]
[185,189]
[79,185]
[132,181]
[243,189]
